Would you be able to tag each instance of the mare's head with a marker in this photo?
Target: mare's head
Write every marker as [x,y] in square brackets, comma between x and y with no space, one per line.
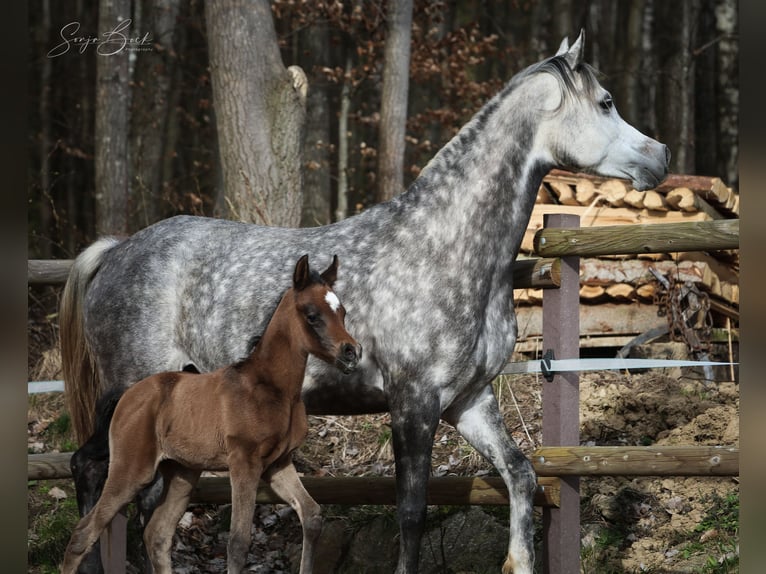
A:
[581,129]
[322,316]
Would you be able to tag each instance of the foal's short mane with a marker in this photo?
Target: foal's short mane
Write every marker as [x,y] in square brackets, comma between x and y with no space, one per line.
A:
[316,278]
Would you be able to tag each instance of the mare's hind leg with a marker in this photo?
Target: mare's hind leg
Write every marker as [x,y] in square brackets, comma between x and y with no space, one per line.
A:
[245,470]
[89,470]
[179,482]
[413,425]
[481,424]
[287,485]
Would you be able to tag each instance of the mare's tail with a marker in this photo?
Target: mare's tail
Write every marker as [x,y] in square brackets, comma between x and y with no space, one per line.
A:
[81,381]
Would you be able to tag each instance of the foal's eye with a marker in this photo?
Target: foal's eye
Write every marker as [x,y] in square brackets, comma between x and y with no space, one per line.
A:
[606,103]
[312,318]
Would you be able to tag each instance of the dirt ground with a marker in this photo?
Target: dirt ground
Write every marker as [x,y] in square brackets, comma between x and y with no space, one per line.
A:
[628,524]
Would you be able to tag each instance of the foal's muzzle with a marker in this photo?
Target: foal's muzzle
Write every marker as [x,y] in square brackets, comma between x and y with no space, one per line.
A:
[349,357]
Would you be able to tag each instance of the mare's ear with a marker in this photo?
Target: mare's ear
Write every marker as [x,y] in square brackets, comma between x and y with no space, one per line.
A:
[331,273]
[574,53]
[301,275]
[563,47]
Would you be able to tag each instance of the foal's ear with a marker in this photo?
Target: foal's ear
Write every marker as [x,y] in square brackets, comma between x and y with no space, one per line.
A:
[331,273]
[302,274]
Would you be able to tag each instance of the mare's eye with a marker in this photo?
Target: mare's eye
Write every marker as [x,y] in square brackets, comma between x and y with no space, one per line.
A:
[606,103]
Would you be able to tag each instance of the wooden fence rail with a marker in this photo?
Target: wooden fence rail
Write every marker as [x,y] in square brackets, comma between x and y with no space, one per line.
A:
[539,273]
[635,239]
[549,463]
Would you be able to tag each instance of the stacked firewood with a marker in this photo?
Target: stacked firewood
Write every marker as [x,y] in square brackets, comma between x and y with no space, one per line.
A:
[688,193]
[629,279]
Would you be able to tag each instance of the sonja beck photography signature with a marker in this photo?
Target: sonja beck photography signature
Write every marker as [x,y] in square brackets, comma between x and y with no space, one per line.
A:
[115,41]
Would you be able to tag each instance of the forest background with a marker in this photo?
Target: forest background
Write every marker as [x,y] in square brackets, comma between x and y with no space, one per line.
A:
[121,136]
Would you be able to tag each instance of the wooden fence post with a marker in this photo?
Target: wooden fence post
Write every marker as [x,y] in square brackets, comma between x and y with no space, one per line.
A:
[561,408]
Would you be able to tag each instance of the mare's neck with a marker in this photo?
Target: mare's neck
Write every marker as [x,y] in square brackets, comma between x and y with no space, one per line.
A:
[479,190]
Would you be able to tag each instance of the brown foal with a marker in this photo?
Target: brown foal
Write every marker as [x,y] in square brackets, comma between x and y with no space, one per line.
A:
[247,418]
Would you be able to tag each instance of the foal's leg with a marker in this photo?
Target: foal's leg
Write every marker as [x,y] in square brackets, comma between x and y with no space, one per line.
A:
[179,482]
[121,486]
[481,424]
[244,473]
[413,425]
[287,485]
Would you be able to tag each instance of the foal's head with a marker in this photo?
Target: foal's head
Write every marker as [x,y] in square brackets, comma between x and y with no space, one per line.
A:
[322,316]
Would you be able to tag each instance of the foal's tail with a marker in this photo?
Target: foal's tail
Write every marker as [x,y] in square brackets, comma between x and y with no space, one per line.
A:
[81,381]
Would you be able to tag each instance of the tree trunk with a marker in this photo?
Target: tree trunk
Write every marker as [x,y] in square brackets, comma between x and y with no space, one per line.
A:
[44,247]
[112,124]
[150,110]
[675,38]
[341,211]
[317,189]
[728,90]
[629,107]
[260,114]
[393,109]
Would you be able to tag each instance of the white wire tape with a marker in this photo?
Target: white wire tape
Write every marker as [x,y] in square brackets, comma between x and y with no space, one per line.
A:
[518,368]
[600,364]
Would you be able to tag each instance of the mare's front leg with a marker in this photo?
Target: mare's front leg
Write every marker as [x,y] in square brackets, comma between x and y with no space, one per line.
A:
[414,418]
[179,483]
[481,424]
[287,485]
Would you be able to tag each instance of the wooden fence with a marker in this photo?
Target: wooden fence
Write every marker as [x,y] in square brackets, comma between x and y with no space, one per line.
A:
[561,242]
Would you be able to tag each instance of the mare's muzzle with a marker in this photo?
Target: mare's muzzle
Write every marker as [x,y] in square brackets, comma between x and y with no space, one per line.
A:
[349,357]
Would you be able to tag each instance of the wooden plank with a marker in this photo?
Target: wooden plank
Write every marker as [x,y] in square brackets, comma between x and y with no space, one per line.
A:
[533,272]
[602,215]
[48,271]
[48,466]
[658,238]
[334,490]
[637,461]
[535,344]
[381,490]
[561,408]
[548,461]
[604,319]
[536,273]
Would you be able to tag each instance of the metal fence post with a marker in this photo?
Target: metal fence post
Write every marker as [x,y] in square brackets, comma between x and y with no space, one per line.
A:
[561,408]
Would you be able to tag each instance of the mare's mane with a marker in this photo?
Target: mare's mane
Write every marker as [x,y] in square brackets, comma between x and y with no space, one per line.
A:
[559,67]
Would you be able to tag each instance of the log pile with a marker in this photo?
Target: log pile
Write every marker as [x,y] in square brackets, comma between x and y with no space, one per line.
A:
[626,282]
[689,193]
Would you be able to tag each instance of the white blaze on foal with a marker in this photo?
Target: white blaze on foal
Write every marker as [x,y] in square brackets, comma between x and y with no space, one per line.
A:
[332,301]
